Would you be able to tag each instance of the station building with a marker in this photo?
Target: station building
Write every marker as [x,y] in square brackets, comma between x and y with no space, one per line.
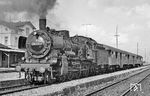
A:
[13,37]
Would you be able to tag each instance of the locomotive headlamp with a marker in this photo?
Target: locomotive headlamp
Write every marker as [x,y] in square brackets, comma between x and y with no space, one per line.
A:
[23,58]
[35,33]
[46,58]
[42,70]
[18,68]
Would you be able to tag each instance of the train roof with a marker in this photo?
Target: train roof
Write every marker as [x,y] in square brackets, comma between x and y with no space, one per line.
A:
[108,47]
[119,50]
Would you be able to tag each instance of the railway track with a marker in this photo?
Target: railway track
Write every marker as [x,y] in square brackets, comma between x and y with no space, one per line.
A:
[19,88]
[117,82]
[130,89]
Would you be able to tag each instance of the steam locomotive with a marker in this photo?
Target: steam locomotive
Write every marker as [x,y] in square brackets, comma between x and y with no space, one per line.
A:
[55,56]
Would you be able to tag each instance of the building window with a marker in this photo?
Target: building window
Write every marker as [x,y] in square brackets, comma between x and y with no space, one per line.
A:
[6,40]
[3,57]
[14,58]
[27,31]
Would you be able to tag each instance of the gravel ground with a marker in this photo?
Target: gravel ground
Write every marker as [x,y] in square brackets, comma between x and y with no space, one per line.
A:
[144,90]
[117,90]
[59,87]
[98,86]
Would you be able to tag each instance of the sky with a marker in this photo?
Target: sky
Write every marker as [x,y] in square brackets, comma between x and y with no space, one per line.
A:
[98,19]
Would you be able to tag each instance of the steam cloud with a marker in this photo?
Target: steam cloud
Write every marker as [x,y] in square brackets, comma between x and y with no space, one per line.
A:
[38,7]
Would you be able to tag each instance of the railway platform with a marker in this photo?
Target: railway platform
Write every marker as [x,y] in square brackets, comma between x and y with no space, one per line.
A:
[10,74]
[7,74]
[7,70]
[8,77]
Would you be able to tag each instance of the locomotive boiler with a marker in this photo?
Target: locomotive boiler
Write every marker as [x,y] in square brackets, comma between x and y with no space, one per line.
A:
[53,55]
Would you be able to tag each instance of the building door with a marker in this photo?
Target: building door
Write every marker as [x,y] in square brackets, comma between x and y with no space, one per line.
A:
[4,60]
[0,58]
[22,42]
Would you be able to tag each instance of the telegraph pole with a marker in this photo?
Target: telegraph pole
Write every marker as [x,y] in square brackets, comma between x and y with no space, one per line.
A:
[117,36]
[137,48]
[145,55]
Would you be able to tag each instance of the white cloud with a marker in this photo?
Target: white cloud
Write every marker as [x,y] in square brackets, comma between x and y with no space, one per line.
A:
[118,11]
[132,27]
[93,4]
[5,2]
[123,38]
[143,10]
[148,24]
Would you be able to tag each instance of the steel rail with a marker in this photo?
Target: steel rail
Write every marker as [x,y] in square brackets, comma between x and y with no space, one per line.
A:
[129,89]
[19,88]
[117,82]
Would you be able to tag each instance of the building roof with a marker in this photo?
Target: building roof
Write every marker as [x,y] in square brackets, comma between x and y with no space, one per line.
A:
[19,24]
[4,47]
[12,50]
[16,25]
[7,49]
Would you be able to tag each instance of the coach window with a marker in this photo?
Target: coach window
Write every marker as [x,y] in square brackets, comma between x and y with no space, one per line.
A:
[109,52]
[116,53]
[121,54]
[113,52]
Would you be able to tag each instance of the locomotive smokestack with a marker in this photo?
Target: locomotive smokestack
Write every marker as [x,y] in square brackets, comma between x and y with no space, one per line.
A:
[42,23]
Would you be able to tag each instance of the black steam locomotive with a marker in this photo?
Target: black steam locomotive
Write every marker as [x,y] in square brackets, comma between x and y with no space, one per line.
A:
[54,55]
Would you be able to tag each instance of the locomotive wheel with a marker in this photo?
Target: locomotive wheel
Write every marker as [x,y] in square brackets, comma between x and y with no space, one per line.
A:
[50,81]
[85,73]
[77,75]
[70,76]
[97,71]
[26,75]
[29,77]
[93,71]
[46,78]
[62,78]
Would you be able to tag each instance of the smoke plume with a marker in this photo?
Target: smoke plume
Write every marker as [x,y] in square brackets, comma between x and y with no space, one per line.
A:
[34,7]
